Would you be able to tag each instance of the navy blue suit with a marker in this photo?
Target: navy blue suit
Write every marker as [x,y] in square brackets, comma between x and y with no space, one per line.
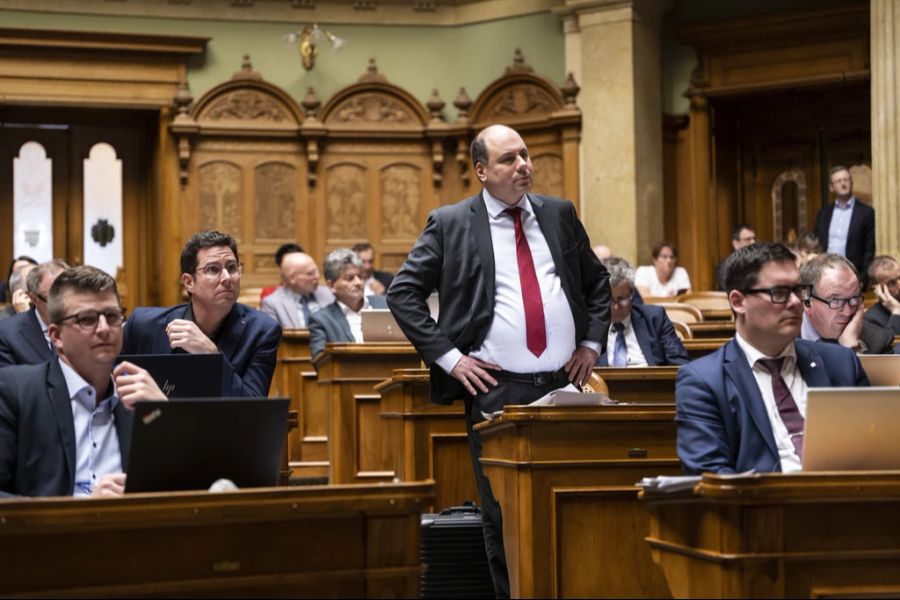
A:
[722,422]
[22,342]
[247,339]
[37,431]
[655,335]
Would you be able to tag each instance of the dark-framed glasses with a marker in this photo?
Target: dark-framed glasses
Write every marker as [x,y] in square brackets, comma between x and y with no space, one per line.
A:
[88,319]
[839,303]
[780,294]
[215,270]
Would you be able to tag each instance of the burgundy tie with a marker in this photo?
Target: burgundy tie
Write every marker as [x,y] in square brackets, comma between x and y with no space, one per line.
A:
[787,408]
[535,330]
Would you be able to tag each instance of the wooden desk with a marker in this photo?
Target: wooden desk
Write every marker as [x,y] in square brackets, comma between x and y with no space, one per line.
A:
[359,448]
[564,477]
[317,541]
[702,347]
[430,440]
[640,385]
[808,535]
[712,329]
[295,377]
[717,314]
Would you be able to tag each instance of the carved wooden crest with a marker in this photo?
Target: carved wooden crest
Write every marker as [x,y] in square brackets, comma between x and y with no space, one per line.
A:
[245,105]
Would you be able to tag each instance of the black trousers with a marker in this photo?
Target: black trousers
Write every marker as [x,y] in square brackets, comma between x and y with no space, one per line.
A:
[506,392]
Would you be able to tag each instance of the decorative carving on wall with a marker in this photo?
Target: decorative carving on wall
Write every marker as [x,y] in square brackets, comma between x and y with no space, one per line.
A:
[373,108]
[548,175]
[400,185]
[275,209]
[246,105]
[520,100]
[345,193]
[220,196]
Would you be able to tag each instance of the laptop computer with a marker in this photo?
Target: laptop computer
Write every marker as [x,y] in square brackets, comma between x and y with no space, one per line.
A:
[189,444]
[852,429]
[882,369]
[182,375]
[379,325]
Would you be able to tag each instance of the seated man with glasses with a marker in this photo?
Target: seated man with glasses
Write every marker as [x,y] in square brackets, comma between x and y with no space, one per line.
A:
[65,424]
[212,320]
[24,338]
[834,311]
[743,406]
[641,334]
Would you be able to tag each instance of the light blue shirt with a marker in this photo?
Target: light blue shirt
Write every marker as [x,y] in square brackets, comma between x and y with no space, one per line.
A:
[840,226]
[96,440]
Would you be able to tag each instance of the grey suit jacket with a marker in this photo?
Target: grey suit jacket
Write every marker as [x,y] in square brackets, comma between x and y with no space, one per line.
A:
[37,431]
[22,342]
[455,256]
[330,325]
[282,307]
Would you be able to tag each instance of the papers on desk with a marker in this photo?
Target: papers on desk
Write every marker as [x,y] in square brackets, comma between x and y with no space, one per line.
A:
[668,484]
[565,396]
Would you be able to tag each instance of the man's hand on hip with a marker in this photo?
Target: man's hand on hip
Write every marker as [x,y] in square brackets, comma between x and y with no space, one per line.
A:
[581,365]
[472,373]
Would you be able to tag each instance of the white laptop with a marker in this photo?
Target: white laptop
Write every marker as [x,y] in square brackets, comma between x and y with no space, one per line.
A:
[379,325]
[882,369]
[852,429]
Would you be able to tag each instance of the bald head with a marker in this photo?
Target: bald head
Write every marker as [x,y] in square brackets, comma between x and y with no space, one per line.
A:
[502,163]
[299,273]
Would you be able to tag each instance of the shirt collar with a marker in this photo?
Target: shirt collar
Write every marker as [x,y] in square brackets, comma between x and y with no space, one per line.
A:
[754,355]
[347,310]
[850,202]
[626,323]
[808,331]
[40,321]
[496,207]
[76,384]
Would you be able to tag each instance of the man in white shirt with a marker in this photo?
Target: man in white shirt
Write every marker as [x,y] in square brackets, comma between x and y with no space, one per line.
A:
[293,303]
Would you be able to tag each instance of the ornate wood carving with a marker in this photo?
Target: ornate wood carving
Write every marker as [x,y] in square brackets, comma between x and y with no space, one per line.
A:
[241,105]
[400,202]
[274,183]
[345,189]
[548,174]
[220,196]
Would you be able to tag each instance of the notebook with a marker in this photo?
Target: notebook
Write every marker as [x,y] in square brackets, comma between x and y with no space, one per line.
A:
[882,369]
[379,325]
[182,375]
[189,444]
[852,429]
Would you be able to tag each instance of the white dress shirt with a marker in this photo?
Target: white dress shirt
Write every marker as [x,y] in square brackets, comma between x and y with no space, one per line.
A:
[794,381]
[505,342]
[636,356]
[355,318]
[44,329]
[96,440]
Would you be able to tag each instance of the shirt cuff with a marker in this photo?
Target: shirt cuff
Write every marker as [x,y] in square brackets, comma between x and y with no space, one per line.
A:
[595,346]
[448,361]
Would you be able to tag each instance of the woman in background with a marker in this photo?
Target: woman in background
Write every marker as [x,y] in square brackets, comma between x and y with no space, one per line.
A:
[663,278]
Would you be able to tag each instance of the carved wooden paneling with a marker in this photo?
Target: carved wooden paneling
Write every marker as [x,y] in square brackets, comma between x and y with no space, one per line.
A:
[246,106]
[400,197]
[275,197]
[548,174]
[345,200]
[373,108]
[221,187]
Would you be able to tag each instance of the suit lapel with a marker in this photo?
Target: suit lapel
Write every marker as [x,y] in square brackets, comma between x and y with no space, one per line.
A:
[550,231]
[31,332]
[855,221]
[811,365]
[642,333]
[480,228]
[747,392]
[232,328]
[61,404]
[341,318]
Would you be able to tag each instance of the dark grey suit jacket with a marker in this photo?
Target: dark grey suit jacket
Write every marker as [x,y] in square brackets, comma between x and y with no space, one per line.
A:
[37,431]
[454,255]
[22,341]
[879,315]
[330,325]
[860,249]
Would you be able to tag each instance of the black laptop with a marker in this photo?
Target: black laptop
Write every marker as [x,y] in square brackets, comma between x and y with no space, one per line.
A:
[182,375]
[188,444]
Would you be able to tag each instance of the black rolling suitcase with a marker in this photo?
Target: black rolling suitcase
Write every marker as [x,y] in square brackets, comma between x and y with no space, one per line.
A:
[453,557]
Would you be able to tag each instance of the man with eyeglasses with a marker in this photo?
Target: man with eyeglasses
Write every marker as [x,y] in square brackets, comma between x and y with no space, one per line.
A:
[212,321]
[65,424]
[834,312]
[884,273]
[743,406]
[24,338]
[641,334]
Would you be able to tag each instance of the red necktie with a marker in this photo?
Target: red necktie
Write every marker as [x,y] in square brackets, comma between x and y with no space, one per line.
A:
[535,329]
[784,400]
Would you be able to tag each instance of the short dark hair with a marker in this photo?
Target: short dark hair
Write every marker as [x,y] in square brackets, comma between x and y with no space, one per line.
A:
[204,239]
[809,243]
[33,279]
[77,279]
[362,247]
[13,262]
[478,150]
[659,248]
[283,249]
[742,267]
[811,271]
[736,232]
[837,168]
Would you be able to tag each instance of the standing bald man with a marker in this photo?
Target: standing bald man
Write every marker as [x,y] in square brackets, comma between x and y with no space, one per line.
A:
[301,295]
[524,301]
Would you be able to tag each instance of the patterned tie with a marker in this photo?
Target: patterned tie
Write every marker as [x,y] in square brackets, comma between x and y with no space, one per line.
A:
[620,352]
[787,408]
[535,329]
[304,308]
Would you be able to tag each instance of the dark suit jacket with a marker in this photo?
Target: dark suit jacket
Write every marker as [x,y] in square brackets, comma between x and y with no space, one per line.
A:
[879,315]
[722,422]
[37,431]
[878,339]
[655,335]
[22,341]
[384,278]
[248,340]
[454,255]
[330,325]
[860,237]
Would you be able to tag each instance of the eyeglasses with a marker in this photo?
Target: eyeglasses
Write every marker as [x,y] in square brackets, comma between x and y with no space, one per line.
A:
[780,294]
[214,270]
[41,297]
[88,319]
[623,301]
[839,303]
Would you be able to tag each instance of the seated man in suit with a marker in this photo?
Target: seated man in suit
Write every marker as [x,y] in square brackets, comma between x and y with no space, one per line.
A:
[212,321]
[19,301]
[834,310]
[65,424]
[24,338]
[884,274]
[641,334]
[283,250]
[300,296]
[376,282]
[742,235]
[341,321]
[743,406]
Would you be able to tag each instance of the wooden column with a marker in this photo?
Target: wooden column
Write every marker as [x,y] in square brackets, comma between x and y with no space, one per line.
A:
[885,68]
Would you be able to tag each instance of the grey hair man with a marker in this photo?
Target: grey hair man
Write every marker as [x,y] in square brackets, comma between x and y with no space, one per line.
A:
[25,337]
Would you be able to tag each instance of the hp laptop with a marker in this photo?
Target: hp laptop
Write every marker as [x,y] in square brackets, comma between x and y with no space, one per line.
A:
[182,375]
[189,444]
